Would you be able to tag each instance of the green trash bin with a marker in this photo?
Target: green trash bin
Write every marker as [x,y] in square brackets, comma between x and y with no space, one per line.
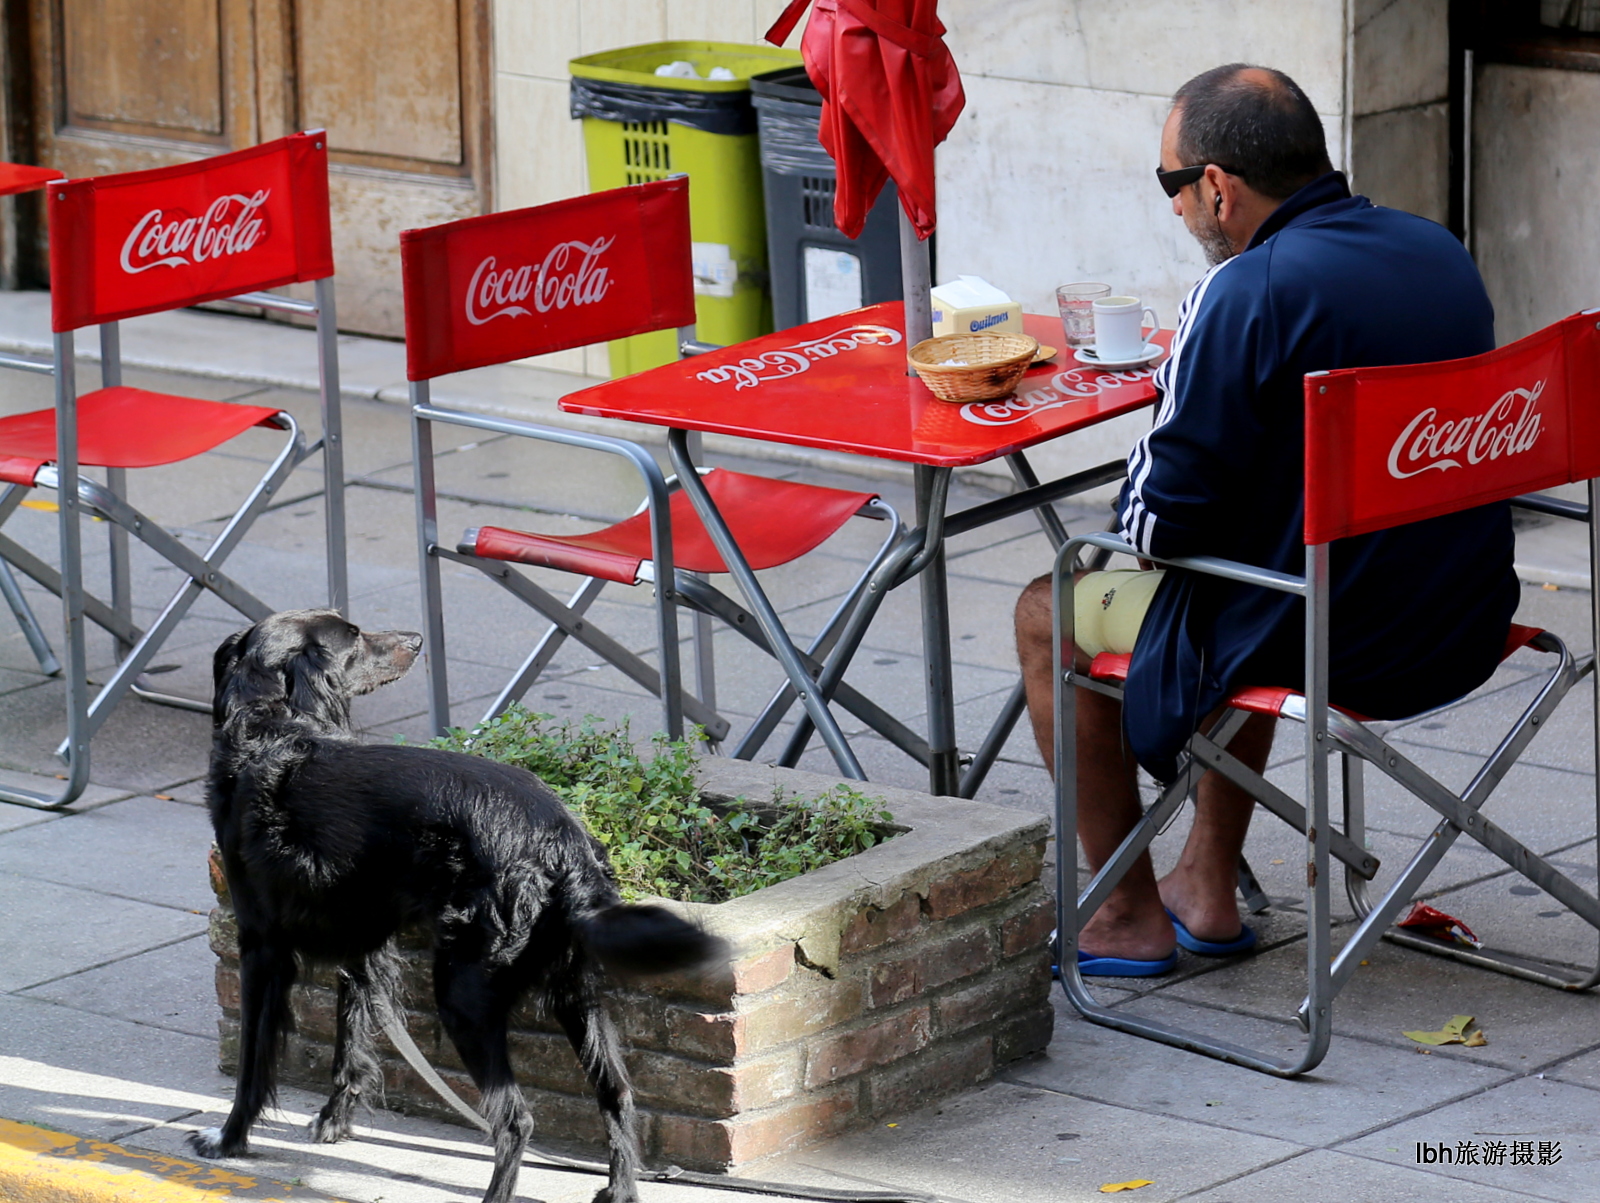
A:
[640,126]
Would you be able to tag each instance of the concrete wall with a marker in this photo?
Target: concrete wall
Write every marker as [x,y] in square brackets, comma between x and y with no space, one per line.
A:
[1400,84]
[1536,174]
[1047,175]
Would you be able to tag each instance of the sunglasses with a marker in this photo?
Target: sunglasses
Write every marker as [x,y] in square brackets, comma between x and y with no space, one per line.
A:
[1172,182]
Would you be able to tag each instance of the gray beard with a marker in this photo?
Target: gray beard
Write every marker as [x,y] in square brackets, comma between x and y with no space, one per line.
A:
[1213,242]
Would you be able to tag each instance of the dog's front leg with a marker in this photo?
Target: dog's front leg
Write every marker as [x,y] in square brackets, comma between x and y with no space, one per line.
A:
[266,972]
[593,1038]
[367,988]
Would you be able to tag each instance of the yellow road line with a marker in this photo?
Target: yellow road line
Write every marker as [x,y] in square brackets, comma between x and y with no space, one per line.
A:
[38,1165]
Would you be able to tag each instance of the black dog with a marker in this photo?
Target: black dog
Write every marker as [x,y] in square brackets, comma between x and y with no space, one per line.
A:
[330,846]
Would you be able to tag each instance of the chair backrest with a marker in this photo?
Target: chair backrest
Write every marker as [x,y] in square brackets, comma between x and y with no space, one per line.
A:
[1386,446]
[508,285]
[148,241]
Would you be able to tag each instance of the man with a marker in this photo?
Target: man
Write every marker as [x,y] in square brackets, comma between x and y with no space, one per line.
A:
[1304,277]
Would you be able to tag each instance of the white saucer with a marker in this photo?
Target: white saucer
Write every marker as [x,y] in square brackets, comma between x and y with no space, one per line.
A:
[1150,354]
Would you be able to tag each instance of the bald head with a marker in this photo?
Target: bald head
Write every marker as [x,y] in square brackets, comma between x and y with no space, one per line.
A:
[1253,122]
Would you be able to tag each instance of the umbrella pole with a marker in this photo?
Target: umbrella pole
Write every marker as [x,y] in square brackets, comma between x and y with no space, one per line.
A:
[915,281]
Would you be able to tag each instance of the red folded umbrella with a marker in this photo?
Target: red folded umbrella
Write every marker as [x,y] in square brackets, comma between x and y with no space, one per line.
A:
[890,94]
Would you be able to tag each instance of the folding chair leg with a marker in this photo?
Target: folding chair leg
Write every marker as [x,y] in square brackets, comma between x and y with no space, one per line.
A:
[1461,814]
[739,620]
[630,664]
[1073,910]
[545,650]
[333,508]
[837,643]
[117,483]
[95,610]
[428,552]
[785,651]
[121,568]
[988,751]
[1255,898]
[204,574]
[31,630]
[72,594]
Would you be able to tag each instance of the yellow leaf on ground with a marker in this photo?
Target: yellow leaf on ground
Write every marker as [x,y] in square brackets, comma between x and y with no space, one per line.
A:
[1111,1188]
[1454,1032]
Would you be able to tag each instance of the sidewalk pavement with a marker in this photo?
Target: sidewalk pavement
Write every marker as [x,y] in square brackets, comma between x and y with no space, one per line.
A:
[107,1011]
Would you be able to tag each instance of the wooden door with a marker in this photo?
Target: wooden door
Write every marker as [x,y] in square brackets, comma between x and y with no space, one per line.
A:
[120,85]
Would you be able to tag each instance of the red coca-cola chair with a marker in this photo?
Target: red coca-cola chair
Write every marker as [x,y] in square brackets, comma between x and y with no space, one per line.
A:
[610,265]
[122,246]
[1384,447]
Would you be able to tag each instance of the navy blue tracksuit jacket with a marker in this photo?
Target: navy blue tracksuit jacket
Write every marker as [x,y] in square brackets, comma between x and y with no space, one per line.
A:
[1420,612]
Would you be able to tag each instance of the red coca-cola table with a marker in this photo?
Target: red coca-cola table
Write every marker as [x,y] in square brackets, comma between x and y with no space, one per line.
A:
[841,384]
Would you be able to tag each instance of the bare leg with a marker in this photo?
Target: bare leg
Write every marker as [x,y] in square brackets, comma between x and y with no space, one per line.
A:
[1200,889]
[1131,923]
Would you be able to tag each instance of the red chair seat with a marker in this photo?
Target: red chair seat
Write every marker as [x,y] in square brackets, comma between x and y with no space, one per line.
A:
[125,428]
[773,522]
[1262,699]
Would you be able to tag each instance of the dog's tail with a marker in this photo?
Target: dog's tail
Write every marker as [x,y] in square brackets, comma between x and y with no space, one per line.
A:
[647,939]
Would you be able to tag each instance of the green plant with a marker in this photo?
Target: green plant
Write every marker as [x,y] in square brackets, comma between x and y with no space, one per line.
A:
[662,839]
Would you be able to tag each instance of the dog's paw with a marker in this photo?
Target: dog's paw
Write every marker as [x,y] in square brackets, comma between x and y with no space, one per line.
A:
[327,1129]
[616,1194]
[208,1143]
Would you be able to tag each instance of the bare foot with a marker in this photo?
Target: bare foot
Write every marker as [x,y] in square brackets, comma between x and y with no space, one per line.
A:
[1207,909]
[1141,932]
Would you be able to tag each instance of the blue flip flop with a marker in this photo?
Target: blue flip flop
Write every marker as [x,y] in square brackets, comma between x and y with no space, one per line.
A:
[1243,942]
[1092,966]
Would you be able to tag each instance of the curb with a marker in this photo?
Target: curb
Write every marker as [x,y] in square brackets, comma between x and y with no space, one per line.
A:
[38,1165]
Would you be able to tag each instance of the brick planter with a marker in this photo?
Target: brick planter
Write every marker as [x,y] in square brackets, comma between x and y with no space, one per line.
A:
[860,991]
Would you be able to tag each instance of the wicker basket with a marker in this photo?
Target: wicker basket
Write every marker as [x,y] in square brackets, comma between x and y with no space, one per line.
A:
[973,367]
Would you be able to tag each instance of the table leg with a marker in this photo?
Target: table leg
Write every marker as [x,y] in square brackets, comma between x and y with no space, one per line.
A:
[755,597]
[944,771]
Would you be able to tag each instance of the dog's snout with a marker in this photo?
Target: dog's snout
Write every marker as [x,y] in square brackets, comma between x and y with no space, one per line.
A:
[414,641]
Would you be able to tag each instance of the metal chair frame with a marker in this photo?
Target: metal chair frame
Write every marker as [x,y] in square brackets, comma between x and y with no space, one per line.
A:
[662,211]
[80,497]
[1325,730]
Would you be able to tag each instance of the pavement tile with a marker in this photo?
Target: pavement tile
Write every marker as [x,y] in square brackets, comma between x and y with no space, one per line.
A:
[143,849]
[100,1077]
[1402,989]
[1359,1085]
[1582,1070]
[162,988]
[1318,1176]
[1007,1141]
[1510,914]
[1527,1109]
[120,928]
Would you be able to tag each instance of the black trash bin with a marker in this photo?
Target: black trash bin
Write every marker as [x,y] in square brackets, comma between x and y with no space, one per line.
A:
[816,270]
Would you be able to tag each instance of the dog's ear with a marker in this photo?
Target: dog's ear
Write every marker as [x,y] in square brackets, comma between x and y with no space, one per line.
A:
[239,679]
[313,687]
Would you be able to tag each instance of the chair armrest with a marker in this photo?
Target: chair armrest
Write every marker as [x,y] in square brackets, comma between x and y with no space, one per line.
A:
[1210,565]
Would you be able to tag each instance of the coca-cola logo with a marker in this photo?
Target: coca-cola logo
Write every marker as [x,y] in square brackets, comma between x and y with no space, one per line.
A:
[568,276]
[1428,443]
[1070,387]
[795,358]
[231,225]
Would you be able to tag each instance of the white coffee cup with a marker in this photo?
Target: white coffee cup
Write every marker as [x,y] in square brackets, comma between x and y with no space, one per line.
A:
[1119,328]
